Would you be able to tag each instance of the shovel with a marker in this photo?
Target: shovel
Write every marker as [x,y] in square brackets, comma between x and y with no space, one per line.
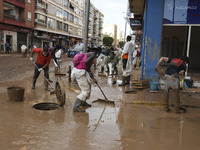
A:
[54,90]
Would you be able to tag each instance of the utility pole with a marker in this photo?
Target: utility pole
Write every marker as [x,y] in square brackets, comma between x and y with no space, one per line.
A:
[86,25]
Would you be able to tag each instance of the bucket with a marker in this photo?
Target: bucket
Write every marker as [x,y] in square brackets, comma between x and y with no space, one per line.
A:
[16,93]
[154,86]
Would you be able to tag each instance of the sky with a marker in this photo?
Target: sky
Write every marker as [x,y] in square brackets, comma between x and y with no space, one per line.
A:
[114,12]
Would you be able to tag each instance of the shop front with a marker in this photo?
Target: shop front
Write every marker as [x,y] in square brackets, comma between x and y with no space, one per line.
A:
[181,31]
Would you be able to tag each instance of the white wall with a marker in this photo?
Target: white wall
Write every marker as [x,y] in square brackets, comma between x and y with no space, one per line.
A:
[13,41]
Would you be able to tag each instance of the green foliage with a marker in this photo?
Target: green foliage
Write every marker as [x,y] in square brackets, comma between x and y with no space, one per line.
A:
[107,41]
[121,44]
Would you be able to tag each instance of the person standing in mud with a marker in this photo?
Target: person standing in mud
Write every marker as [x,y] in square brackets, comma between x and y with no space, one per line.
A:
[84,76]
[127,57]
[175,68]
[42,63]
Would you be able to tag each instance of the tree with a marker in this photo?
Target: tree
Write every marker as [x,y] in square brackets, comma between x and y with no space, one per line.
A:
[121,44]
[107,41]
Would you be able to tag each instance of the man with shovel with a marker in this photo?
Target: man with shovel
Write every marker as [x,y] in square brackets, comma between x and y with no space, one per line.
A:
[81,71]
[42,63]
[175,68]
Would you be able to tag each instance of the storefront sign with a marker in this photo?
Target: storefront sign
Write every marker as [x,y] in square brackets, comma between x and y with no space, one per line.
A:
[181,12]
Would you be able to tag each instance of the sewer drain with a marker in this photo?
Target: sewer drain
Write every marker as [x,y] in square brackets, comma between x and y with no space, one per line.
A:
[46,106]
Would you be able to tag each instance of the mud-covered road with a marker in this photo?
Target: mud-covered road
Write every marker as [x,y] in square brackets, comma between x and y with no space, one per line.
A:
[125,126]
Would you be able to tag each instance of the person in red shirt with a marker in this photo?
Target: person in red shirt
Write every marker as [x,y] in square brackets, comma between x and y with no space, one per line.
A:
[42,63]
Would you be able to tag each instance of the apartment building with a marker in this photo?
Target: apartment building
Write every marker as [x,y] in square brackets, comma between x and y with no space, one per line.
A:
[58,21]
[95,33]
[16,23]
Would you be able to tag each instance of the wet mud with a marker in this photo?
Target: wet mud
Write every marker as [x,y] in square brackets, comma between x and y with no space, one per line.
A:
[125,126]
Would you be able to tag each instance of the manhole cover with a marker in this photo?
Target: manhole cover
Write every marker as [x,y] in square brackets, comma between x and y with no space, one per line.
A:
[46,106]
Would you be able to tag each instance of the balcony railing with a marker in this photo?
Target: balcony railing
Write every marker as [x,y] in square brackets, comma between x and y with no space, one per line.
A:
[21,1]
[9,16]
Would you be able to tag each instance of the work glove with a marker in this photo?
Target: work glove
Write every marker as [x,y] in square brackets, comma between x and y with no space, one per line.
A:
[40,69]
[31,58]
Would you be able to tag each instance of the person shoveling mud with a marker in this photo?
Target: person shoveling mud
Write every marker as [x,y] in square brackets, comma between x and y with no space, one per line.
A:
[82,63]
[175,68]
[41,64]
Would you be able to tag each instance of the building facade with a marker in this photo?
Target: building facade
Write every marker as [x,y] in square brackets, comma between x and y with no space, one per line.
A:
[47,22]
[58,21]
[170,28]
[95,33]
[16,23]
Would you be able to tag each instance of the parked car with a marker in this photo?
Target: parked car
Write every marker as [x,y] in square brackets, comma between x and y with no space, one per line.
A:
[75,49]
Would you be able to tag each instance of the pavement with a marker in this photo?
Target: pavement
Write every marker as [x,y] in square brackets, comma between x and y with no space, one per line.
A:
[137,121]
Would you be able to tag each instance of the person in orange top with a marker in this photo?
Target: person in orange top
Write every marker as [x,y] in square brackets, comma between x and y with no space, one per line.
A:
[42,63]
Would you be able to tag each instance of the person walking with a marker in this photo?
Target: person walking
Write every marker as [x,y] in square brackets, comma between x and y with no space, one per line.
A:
[24,50]
[42,64]
[176,67]
[84,77]
[7,46]
[127,57]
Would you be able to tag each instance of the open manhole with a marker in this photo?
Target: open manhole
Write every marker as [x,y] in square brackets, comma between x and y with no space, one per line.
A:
[46,106]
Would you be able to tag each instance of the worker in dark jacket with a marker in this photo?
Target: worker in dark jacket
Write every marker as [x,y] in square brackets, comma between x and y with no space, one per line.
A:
[175,68]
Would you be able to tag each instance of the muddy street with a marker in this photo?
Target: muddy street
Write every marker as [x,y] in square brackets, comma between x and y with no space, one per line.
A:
[126,126]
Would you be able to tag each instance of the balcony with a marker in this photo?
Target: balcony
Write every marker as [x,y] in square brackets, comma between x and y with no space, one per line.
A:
[19,3]
[10,19]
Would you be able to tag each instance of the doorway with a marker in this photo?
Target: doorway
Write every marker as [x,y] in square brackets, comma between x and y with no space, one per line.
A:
[174,41]
[194,52]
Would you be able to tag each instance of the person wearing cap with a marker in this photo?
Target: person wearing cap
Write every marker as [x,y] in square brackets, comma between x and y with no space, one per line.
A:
[42,64]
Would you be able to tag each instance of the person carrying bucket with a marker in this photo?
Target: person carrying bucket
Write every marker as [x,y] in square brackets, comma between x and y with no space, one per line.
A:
[175,68]
[42,63]
[81,71]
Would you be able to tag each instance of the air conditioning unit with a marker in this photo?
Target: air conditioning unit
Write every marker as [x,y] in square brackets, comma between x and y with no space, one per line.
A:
[36,20]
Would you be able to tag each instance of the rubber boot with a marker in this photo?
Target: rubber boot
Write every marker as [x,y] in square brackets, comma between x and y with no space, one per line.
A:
[127,80]
[108,69]
[113,73]
[34,82]
[123,81]
[76,106]
[85,104]
[46,84]
[102,69]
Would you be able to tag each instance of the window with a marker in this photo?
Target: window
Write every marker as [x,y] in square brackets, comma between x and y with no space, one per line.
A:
[41,19]
[65,27]
[51,23]
[66,14]
[71,18]
[51,9]
[66,3]
[59,25]
[60,1]
[59,13]
[29,16]
[75,19]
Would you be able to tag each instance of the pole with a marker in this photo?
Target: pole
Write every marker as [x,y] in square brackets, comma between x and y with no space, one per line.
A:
[86,25]
[125,31]
[188,47]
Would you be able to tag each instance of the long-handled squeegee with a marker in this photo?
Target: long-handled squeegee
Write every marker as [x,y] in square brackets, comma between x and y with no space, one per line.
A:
[103,100]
